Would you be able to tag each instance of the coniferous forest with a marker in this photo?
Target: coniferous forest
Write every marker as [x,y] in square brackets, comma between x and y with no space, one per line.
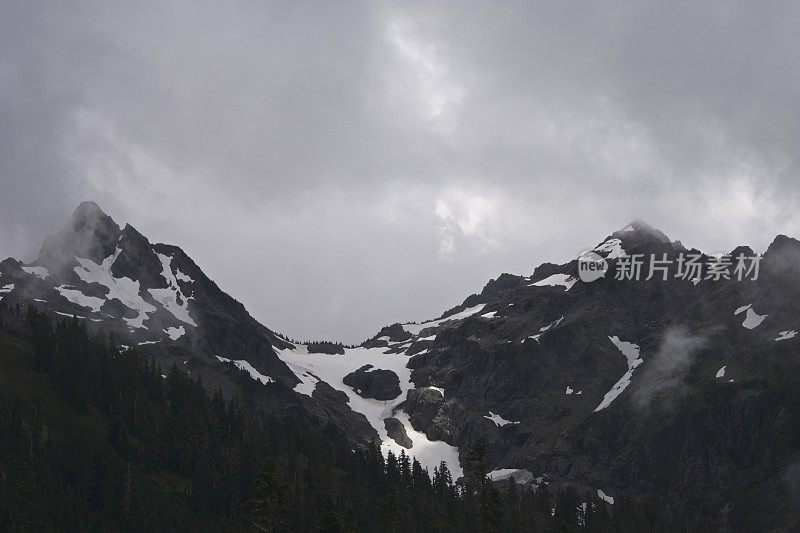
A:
[94,439]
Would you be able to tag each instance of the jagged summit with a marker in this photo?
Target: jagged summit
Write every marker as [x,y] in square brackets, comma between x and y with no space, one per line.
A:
[89,234]
[641,230]
[150,295]
[639,233]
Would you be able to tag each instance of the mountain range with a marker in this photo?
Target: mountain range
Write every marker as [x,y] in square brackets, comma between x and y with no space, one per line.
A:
[681,388]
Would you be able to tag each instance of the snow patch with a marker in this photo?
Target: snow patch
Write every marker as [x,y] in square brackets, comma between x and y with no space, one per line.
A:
[605,497]
[123,289]
[78,298]
[175,333]
[721,372]
[243,365]
[40,272]
[546,328]
[172,298]
[612,248]
[753,319]
[498,420]
[556,280]
[415,329]
[490,314]
[180,276]
[521,476]
[69,315]
[631,353]
[786,335]
[437,389]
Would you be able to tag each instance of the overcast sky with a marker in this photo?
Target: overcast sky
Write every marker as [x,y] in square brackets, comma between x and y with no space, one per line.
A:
[338,166]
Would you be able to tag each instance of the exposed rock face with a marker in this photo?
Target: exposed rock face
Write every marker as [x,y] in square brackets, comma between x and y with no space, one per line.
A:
[387,335]
[378,384]
[151,296]
[137,260]
[397,432]
[424,405]
[529,370]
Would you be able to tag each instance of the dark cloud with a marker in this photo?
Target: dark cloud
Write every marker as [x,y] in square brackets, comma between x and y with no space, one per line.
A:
[340,166]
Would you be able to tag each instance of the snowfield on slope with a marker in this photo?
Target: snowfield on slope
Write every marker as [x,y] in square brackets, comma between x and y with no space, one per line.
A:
[521,476]
[416,329]
[752,320]
[498,420]
[243,365]
[40,272]
[172,298]
[123,289]
[612,248]
[311,368]
[631,352]
[78,298]
[546,328]
[556,280]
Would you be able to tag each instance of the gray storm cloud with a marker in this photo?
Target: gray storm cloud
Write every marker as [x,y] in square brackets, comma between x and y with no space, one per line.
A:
[323,162]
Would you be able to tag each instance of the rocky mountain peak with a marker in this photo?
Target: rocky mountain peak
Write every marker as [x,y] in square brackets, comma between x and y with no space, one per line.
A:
[640,234]
[89,234]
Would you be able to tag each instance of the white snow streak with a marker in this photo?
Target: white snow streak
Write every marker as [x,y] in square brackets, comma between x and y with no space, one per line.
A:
[546,328]
[498,420]
[631,352]
[556,280]
[415,329]
[78,298]
[243,365]
[521,476]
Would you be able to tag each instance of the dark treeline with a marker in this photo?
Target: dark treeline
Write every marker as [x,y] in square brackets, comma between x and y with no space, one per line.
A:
[93,439]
